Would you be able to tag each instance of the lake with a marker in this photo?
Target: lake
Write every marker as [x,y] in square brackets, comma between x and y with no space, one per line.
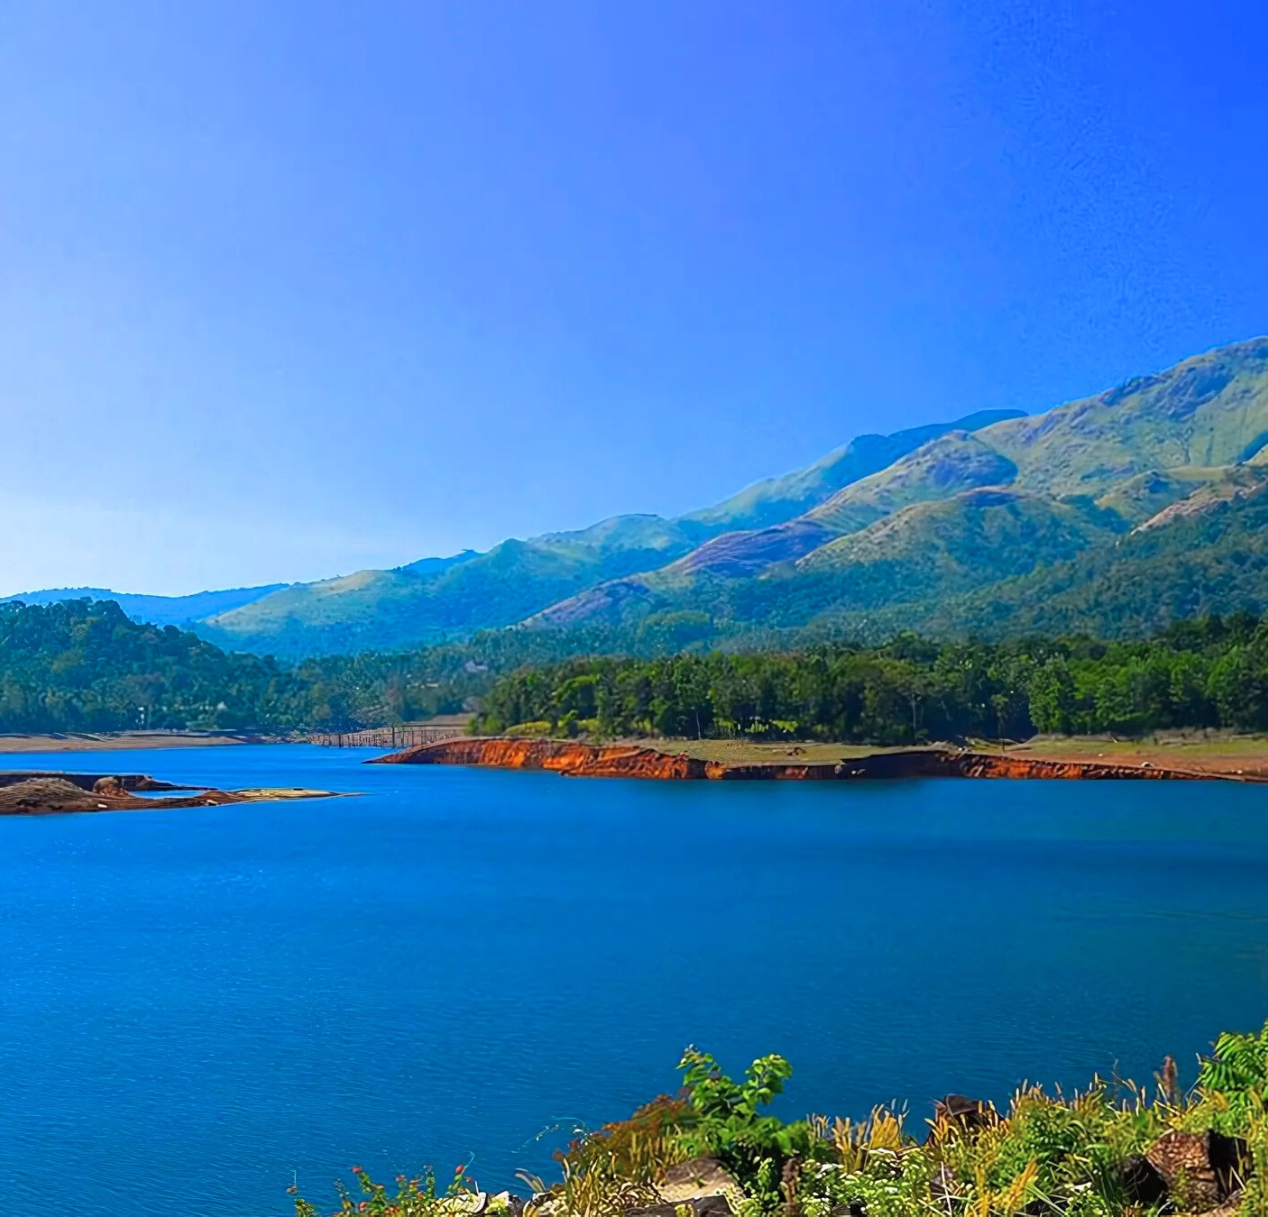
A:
[201,1007]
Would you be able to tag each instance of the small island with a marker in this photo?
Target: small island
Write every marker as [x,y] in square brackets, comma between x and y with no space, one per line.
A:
[24,792]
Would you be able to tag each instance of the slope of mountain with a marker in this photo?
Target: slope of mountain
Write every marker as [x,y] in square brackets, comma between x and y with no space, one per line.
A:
[952,462]
[159,610]
[998,522]
[1209,410]
[437,599]
[926,526]
[774,500]
[1206,554]
[442,598]
[936,547]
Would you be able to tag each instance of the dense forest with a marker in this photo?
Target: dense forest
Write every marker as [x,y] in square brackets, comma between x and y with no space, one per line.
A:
[1208,673]
[86,666]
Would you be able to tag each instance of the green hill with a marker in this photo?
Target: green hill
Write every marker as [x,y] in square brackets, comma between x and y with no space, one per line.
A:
[934,548]
[405,607]
[978,530]
[1204,555]
[450,598]
[1123,507]
[160,610]
[1211,410]
[775,500]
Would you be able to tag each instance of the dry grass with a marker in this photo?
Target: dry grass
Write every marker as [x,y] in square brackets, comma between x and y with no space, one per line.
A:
[1204,753]
[1211,752]
[747,752]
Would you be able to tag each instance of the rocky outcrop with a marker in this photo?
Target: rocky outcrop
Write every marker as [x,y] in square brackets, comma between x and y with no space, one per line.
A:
[47,793]
[575,758]
[91,781]
[571,757]
[1201,1170]
[969,1114]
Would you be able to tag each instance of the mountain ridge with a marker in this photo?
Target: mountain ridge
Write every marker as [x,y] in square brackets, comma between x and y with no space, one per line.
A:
[518,578]
[991,521]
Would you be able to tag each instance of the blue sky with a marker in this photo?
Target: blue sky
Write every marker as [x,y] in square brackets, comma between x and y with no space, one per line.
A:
[291,289]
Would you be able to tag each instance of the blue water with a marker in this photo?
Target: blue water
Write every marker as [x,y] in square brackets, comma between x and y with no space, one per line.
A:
[200,1007]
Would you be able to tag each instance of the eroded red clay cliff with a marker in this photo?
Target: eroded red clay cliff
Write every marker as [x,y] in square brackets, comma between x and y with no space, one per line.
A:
[574,758]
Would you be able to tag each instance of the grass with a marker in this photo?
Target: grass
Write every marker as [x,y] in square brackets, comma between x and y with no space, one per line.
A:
[1212,752]
[1208,752]
[1102,1152]
[749,752]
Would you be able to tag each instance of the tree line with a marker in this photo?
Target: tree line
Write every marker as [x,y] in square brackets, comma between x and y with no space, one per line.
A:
[86,666]
[1207,673]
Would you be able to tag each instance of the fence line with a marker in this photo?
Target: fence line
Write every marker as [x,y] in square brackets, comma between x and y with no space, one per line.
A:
[386,737]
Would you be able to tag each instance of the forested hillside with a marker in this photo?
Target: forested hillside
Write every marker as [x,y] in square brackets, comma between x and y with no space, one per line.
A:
[1058,522]
[454,597]
[81,666]
[1209,673]
[86,666]
[1112,515]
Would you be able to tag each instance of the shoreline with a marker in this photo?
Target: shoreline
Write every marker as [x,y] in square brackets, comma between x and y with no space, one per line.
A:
[33,792]
[105,741]
[574,758]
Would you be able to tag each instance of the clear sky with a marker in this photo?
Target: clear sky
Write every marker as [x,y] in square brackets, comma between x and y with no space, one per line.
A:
[289,289]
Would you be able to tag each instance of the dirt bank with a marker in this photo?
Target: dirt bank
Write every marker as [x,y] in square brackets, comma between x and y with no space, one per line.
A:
[574,758]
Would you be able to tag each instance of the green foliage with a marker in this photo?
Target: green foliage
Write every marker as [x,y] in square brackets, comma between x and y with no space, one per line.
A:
[1045,1155]
[1199,674]
[416,1197]
[84,666]
[728,1122]
[81,665]
[1238,1074]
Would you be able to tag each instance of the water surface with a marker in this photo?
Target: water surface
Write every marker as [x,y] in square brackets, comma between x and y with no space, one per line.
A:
[201,1006]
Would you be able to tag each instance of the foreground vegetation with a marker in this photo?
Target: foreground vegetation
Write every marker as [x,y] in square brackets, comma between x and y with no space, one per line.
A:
[1209,673]
[1111,1151]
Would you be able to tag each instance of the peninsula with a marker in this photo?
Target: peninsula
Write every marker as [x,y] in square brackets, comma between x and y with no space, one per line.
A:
[575,758]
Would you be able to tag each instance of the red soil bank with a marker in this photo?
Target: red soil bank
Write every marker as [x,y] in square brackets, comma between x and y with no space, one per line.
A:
[576,759]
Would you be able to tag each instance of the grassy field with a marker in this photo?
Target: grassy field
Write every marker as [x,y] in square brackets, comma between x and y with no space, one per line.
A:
[746,752]
[1212,752]
[1204,753]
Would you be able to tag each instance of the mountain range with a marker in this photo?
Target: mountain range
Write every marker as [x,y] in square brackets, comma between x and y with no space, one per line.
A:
[1112,514]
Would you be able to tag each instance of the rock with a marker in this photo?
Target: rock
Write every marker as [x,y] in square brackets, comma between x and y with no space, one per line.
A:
[1143,1182]
[108,786]
[700,1206]
[1201,1170]
[972,1114]
[696,1179]
[1229,1208]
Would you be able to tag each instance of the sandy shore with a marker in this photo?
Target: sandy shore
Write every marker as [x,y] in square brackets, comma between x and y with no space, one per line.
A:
[77,742]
